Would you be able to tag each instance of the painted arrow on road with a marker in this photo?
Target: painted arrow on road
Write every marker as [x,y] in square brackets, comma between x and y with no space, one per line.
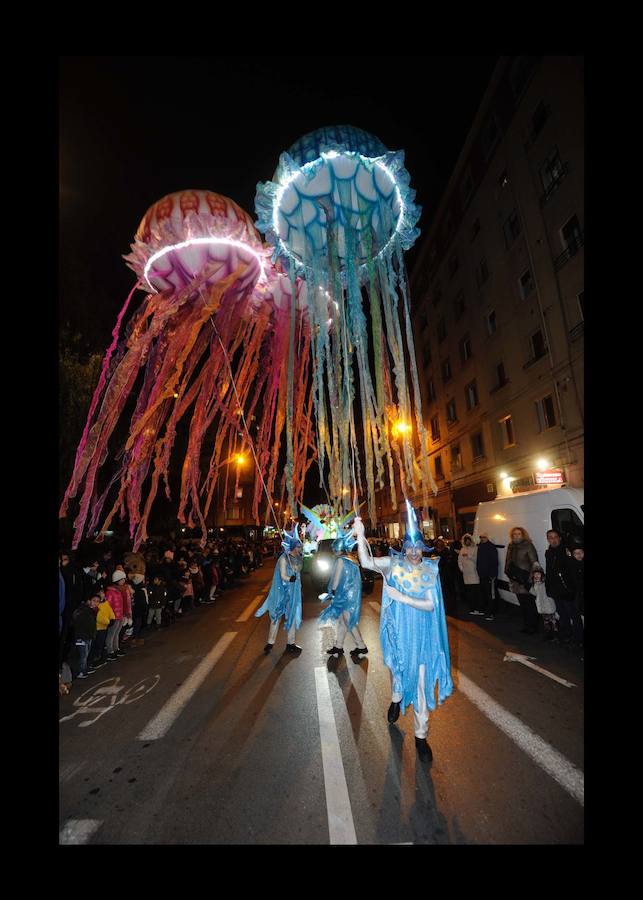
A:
[526,661]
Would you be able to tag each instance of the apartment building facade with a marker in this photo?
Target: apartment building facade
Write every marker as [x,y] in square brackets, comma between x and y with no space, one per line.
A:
[498,296]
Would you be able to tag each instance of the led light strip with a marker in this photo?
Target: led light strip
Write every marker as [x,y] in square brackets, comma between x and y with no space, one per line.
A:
[332,154]
[204,240]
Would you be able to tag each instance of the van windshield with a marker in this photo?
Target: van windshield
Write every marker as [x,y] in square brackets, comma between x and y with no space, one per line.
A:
[570,526]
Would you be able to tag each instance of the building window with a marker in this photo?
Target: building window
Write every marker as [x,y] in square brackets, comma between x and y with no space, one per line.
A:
[519,75]
[465,349]
[456,457]
[452,415]
[526,284]
[540,116]
[467,189]
[512,228]
[482,272]
[447,375]
[581,303]
[477,446]
[239,493]
[546,413]
[454,265]
[471,394]
[236,512]
[501,375]
[435,428]
[431,390]
[442,330]
[490,135]
[491,322]
[475,229]
[439,474]
[507,429]
[571,235]
[538,345]
[552,172]
[459,306]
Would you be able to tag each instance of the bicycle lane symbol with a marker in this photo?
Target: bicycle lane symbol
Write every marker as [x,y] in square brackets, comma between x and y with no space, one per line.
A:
[99,699]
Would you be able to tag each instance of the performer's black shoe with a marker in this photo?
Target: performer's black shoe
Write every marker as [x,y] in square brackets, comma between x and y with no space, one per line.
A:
[358,653]
[423,749]
[393,713]
[268,648]
[336,652]
[293,648]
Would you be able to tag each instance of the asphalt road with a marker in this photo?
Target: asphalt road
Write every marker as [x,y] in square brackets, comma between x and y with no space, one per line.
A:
[199,738]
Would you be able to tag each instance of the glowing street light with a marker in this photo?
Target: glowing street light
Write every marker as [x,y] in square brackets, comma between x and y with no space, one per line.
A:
[240,459]
[542,465]
[400,427]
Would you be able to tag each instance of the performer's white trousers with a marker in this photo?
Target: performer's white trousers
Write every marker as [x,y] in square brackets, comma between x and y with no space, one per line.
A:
[420,709]
[342,627]
[274,628]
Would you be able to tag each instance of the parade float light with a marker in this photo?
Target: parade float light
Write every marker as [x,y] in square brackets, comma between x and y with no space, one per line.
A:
[323,565]
[541,465]
[196,241]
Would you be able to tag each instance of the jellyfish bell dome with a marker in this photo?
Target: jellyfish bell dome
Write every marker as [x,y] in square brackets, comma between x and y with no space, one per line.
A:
[191,232]
[339,179]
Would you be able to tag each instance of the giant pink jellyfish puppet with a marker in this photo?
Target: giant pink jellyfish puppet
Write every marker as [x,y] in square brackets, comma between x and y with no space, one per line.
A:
[210,338]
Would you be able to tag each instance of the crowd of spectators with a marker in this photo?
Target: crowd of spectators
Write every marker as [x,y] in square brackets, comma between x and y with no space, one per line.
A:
[110,599]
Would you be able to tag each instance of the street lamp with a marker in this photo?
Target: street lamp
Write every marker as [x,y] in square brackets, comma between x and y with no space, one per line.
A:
[400,427]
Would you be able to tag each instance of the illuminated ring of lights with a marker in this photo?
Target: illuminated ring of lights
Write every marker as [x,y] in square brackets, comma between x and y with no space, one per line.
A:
[332,155]
[202,240]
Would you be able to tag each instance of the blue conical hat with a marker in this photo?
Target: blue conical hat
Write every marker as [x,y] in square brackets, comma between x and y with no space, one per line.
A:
[344,542]
[291,540]
[413,535]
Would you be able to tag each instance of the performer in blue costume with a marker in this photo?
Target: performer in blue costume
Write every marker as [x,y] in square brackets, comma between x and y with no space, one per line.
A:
[345,595]
[413,628]
[284,598]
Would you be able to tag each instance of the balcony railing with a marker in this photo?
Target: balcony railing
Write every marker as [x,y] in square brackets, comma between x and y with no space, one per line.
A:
[570,250]
[553,187]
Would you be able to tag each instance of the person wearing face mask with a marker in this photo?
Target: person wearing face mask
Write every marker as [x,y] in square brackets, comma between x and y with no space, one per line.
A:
[284,598]
[413,628]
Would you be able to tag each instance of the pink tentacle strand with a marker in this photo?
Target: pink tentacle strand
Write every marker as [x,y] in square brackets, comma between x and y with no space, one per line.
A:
[73,486]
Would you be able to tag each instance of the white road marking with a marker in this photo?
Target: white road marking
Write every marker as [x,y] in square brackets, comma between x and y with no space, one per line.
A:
[341,827]
[568,776]
[78,831]
[68,770]
[525,660]
[250,608]
[163,720]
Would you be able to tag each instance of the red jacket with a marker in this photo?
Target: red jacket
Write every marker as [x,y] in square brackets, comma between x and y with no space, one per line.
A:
[118,599]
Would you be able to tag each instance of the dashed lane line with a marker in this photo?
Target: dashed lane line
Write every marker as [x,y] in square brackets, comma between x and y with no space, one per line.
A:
[162,722]
[557,766]
[341,827]
[78,831]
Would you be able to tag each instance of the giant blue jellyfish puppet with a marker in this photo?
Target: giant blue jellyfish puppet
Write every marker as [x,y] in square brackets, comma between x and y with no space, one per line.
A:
[340,213]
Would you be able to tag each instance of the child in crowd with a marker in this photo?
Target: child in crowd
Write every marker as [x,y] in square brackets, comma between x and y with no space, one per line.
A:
[157,598]
[84,620]
[198,584]
[118,598]
[545,605]
[104,618]
[139,607]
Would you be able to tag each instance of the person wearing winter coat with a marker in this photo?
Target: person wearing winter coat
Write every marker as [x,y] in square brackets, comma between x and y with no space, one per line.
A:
[198,583]
[139,607]
[157,598]
[104,618]
[559,580]
[84,624]
[118,598]
[520,557]
[578,570]
[467,565]
[487,568]
[545,605]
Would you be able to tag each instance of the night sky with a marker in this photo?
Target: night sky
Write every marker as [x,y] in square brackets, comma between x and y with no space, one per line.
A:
[133,129]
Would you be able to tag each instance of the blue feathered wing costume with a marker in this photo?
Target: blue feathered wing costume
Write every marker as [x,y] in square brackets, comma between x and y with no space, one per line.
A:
[284,597]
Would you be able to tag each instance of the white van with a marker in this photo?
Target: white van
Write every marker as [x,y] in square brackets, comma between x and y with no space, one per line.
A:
[536,511]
